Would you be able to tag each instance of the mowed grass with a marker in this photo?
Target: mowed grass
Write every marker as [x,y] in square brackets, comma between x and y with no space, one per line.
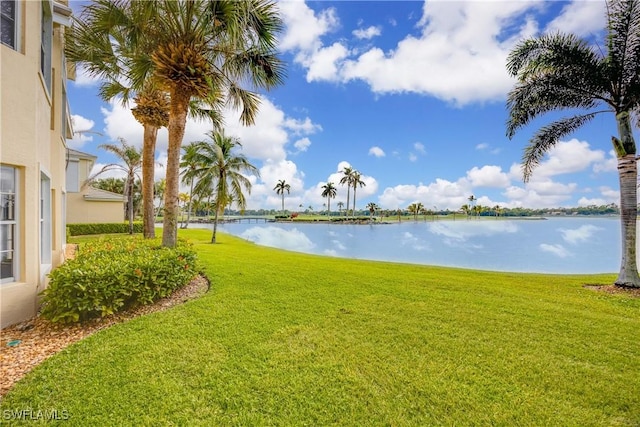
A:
[292,339]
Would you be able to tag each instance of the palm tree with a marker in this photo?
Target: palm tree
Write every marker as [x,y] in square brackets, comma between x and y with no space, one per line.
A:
[158,191]
[103,55]
[372,207]
[131,159]
[329,191]
[195,50]
[340,206]
[347,180]
[466,209]
[222,169]
[497,209]
[472,201]
[563,72]
[189,165]
[414,210]
[280,188]
[356,181]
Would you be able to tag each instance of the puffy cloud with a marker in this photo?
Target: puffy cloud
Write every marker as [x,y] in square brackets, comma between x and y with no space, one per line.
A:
[568,157]
[482,146]
[413,157]
[303,27]
[610,164]
[367,33]
[323,64]
[83,129]
[441,193]
[376,151]
[488,176]
[302,144]
[582,18]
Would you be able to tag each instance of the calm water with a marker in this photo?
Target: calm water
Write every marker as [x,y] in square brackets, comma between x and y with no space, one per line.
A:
[556,245]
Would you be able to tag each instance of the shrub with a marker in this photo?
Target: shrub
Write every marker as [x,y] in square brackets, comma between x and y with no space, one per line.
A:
[110,275]
[104,228]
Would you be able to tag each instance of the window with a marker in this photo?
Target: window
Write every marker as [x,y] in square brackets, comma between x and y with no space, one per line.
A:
[8,224]
[45,219]
[45,43]
[8,14]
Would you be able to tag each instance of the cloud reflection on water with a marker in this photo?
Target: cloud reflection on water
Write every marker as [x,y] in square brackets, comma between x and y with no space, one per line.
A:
[293,239]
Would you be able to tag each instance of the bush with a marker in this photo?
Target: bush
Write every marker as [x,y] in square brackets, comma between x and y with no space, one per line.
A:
[110,275]
[105,228]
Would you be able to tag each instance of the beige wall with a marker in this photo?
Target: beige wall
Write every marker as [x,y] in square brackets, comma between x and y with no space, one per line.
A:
[81,211]
[28,142]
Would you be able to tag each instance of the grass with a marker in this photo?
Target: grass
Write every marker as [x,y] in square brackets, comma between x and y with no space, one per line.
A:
[294,339]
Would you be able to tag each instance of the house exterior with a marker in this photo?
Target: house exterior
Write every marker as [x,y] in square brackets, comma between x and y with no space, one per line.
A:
[34,126]
[86,204]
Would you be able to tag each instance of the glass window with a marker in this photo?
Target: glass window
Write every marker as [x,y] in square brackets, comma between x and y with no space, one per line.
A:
[45,219]
[45,40]
[8,23]
[8,226]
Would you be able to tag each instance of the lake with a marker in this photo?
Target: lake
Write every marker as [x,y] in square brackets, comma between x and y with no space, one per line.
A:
[555,245]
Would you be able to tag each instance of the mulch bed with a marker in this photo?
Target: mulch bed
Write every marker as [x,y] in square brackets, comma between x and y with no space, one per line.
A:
[27,344]
[613,289]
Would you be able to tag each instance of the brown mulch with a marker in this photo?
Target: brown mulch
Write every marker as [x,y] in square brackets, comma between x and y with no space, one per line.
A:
[613,289]
[37,339]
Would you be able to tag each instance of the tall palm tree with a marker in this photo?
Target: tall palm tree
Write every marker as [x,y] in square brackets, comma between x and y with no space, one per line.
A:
[564,72]
[104,55]
[414,210]
[130,163]
[196,50]
[356,181]
[158,191]
[340,206]
[329,191]
[222,169]
[189,165]
[347,179]
[372,207]
[280,188]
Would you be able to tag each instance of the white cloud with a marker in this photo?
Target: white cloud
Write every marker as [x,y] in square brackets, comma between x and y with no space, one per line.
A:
[441,193]
[294,239]
[582,18]
[367,33]
[377,152]
[413,157]
[83,79]
[482,146]
[419,147]
[488,176]
[557,250]
[610,164]
[579,235]
[324,63]
[83,130]
[564,158]
[303,26]
[302,144]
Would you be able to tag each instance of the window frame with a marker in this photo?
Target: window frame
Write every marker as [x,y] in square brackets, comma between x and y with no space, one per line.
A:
[15,224]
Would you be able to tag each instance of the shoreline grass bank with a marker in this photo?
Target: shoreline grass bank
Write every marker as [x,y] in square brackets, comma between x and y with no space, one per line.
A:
[285,338]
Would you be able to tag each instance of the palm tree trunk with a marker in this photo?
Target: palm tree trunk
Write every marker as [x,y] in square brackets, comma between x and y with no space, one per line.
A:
[628,175]
[283,202]
[130,179]
[148,160]
[348,196]
[189,205]
[215,225]
[329,207]
[354,201]
[177,121]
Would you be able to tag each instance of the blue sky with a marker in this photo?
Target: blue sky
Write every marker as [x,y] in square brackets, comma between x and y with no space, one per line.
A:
[411,94]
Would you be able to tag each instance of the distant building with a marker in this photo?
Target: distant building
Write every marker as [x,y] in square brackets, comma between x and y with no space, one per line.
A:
[34,126]
[86,204]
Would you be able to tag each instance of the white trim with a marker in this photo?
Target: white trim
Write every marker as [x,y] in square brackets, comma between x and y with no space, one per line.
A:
[16,225]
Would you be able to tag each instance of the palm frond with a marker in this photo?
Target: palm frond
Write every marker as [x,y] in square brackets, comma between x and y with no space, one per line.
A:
[547,137]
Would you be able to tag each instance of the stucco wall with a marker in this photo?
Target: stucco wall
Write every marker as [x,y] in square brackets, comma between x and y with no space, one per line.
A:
[29,143]
[81,211]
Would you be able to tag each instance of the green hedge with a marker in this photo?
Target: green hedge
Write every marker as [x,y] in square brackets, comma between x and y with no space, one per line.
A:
[110,275]
[105,228]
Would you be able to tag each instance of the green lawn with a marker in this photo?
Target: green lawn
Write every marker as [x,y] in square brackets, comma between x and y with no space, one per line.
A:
[292,339]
